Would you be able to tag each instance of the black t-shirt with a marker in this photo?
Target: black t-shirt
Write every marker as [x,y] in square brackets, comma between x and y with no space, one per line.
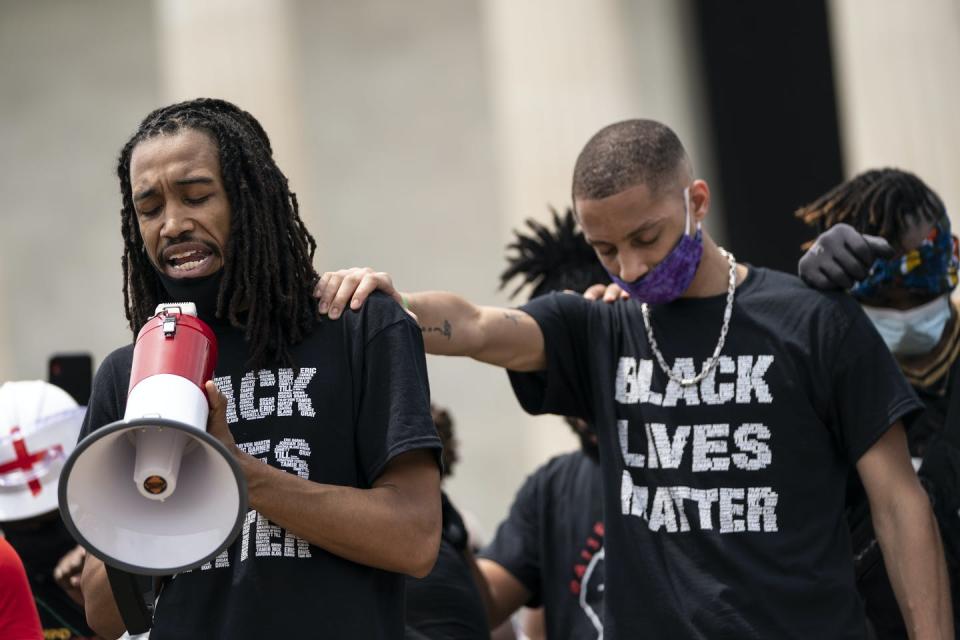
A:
[356,396]
[929,424]
[40,549]
[724,500]
[552,542]
[446,604]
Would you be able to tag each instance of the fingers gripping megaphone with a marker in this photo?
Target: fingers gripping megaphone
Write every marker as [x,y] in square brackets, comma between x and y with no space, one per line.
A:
[154,493]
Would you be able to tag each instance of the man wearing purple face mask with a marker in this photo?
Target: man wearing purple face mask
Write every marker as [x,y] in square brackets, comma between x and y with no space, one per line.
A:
[730,405]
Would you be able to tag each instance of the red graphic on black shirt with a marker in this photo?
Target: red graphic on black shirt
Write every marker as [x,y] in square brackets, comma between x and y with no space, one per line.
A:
[588,581]
[593,545]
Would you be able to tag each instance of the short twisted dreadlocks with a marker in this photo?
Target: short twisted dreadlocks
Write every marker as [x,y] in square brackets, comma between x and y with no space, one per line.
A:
[553,259]
[556,259]
[880,202]
[268,272]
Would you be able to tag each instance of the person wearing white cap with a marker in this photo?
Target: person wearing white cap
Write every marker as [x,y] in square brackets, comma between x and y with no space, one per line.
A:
[39,425]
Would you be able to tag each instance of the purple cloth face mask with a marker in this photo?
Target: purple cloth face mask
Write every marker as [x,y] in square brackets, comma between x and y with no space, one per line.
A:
[671,276]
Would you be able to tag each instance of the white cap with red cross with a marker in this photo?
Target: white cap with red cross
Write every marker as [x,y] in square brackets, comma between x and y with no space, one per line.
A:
[39,426]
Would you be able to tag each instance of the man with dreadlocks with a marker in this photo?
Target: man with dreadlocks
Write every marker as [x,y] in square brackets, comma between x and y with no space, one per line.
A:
[901,270]
[329,420]
[722,483]
[549,551]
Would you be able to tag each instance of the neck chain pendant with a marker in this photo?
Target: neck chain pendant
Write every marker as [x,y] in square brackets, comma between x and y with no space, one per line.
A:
[715,357]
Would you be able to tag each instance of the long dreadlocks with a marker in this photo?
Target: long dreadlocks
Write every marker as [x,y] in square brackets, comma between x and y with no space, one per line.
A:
[552,259]
[880,202]
[268,272]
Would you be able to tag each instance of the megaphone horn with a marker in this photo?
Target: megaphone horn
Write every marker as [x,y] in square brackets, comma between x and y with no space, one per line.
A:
[154,493]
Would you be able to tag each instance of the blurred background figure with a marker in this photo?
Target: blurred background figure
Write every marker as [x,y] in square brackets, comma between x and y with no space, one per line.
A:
[448,604]
[885,236]
[548,552]
[39,425]
[18,615]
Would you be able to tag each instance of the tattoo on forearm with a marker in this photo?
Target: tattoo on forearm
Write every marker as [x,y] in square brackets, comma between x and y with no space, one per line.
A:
[513,317]
[446,330]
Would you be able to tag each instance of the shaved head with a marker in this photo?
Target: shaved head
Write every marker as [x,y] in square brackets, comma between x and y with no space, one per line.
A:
[630,153]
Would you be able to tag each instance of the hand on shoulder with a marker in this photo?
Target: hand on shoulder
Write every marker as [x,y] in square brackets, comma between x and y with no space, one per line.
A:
[840,257]
[606,292]
[337,289]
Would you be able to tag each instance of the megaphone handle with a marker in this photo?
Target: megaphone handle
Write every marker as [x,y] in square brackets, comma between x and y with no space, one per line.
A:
[128,593]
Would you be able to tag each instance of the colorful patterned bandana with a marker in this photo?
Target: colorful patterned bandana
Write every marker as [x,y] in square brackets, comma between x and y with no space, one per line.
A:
[931,268]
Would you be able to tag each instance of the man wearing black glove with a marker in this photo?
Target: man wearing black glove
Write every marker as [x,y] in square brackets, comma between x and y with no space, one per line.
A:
[885,237]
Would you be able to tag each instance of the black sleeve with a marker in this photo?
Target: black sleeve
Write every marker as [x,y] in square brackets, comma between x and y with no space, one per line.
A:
[394,401]
[108,396]
[564,388]
[409,633]
[516,545]
[868,392]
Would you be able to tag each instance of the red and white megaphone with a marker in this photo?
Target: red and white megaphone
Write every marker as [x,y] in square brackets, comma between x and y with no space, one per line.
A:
[154,493]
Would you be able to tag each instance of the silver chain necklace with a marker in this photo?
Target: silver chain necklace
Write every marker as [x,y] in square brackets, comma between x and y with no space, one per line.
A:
[713,359]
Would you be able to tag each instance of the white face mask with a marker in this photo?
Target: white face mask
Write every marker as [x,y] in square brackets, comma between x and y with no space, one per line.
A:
[911,332]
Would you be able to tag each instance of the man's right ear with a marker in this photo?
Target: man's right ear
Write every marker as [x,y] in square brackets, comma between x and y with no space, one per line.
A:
[699,200]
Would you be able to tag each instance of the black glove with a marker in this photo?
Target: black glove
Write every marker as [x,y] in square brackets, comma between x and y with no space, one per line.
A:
[840,257]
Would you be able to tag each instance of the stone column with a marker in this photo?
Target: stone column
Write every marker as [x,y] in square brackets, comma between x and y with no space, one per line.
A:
[244,51]
[559,71]
[6,334]
[898,89]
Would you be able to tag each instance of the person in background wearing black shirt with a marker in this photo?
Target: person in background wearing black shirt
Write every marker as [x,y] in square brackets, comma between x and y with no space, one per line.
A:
[885,237]
[549,551]
[329,420]
[448,604]
[44,544]
[730,402]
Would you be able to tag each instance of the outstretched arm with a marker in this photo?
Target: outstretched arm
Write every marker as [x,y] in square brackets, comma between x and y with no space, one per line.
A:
[451,325]
[908,536]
